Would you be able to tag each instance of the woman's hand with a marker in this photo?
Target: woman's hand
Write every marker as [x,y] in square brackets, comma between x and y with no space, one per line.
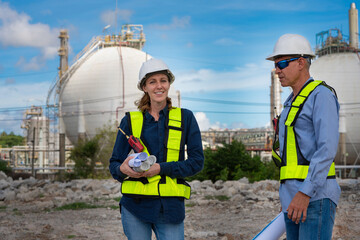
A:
[153,170]
[126,169]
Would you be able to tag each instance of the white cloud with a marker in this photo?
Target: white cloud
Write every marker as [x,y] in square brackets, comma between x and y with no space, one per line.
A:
[238,125]
[250,76]
[205,124]
[35,63]
[23,94]
[17,31]
[19,95]
[176,23]
[10,81]
[218,126]
[109,17]
[203,121]
[11,123]
[228,42]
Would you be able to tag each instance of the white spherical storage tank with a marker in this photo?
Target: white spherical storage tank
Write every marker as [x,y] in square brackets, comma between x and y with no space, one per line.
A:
[101,90]
[342,72]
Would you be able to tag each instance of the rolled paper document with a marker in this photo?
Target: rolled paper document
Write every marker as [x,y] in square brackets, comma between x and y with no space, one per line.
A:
[151,159]
[138,158]
[274,230]
[141,161]
[143,167]
[134,162]
[142,156]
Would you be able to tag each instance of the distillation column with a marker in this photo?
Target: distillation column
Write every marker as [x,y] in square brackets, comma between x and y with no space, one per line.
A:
[63,53]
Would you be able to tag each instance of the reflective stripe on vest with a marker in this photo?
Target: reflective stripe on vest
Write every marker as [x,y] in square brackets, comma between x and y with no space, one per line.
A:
[159,186]
[294,165]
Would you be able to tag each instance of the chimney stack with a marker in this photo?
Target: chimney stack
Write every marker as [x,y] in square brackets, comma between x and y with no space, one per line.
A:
[353,27]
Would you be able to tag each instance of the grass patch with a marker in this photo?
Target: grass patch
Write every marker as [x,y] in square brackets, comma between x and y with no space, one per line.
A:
[71,236]
[190,205]
[77,206]
[117,199]
[219,198]
[2,207]
[115,207]
[16,212]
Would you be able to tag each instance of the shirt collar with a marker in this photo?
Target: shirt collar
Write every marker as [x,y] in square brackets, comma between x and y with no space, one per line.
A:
[288,100]
[163,112]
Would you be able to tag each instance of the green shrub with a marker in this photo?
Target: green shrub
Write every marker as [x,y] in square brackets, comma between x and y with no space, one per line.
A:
[9,140]
[4,167]
[91,156]
[83,154]
[233,162]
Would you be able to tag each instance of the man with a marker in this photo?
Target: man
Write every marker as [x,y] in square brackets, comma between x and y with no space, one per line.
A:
[307,138]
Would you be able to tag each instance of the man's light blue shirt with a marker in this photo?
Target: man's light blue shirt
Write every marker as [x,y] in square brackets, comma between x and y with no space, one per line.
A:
[317,134]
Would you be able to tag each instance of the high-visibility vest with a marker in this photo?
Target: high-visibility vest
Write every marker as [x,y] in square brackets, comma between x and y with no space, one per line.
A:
[159,186]
[293,165]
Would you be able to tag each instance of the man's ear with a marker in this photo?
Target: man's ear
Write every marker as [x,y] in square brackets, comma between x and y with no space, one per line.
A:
[302,63]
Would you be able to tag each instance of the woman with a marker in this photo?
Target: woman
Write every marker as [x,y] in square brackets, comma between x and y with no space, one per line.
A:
[154,200]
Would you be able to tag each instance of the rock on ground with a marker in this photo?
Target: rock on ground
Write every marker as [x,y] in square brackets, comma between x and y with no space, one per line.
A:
[228,210]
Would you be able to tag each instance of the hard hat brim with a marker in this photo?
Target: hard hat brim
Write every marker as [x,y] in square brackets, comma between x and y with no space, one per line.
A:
[272,57]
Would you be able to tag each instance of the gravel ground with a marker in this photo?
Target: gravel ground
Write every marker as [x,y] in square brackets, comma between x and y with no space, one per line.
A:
[205,219]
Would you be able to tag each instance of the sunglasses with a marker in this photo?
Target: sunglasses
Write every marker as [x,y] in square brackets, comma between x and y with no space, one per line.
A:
[284,63]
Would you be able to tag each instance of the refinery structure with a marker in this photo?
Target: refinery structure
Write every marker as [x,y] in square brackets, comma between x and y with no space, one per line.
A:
[99,86]
[338,64]
[93,92]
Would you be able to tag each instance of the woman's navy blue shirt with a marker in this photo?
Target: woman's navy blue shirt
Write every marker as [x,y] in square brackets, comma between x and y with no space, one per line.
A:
[153,133]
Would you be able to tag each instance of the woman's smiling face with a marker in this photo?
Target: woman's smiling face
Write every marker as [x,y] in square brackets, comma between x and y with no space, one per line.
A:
[157,86]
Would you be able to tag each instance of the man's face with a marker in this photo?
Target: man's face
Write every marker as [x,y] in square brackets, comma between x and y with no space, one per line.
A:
[289,74]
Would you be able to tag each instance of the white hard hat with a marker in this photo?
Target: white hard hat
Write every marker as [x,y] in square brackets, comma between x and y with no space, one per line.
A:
[291,44]
[151,66]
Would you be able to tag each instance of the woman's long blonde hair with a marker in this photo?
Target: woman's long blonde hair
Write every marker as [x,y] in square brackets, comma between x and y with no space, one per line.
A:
[144,104]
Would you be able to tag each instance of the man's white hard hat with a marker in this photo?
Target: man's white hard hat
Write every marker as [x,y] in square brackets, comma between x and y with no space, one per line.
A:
[291,44]
[152,66]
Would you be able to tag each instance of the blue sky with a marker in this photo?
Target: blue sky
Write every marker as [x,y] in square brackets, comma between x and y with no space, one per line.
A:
[216,49]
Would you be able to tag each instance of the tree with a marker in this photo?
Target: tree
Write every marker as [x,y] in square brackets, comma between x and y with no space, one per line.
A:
[10,140]
[4,167]
[106,138]
[83,154]
[232,162]
[90,154]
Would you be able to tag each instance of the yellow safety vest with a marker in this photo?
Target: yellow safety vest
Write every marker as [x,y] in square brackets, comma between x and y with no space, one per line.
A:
[159,186]
[293,165]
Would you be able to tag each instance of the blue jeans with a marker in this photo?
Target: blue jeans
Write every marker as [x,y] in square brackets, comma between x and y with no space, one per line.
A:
[318,224]
[135,229]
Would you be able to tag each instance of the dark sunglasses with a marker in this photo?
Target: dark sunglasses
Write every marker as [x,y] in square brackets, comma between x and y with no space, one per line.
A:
[284,63]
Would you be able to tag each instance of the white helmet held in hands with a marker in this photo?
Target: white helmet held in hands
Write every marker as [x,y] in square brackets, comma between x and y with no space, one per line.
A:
[152,66]
[291,44]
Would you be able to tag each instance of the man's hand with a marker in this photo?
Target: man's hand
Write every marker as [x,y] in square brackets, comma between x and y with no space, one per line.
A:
[127,170]
[298,207]
[153,170]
